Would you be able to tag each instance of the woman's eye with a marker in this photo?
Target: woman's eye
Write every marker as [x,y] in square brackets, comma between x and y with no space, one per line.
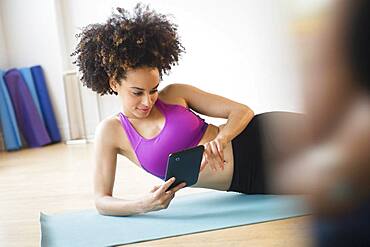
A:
[141,93]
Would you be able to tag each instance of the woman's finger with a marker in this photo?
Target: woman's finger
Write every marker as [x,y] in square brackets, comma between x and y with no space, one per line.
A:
[210,157]
[220,150]
[155,188]
[166,185]
[221,159]
[178,187]
[169,199]
[207,150]
[203,163]
[218,154]
[215,156]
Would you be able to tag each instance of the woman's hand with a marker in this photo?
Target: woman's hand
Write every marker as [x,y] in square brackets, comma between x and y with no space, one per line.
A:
[159,198]
[214,154]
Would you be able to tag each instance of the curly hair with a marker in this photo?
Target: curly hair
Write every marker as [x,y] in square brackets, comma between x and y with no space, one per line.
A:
[144,39]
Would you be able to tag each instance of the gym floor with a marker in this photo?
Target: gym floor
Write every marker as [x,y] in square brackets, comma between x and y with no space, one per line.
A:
[59,178]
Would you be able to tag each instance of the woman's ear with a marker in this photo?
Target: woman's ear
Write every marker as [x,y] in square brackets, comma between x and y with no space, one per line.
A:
[113,85]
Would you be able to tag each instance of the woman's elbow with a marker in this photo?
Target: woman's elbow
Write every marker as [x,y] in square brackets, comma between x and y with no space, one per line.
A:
[99,205]
[247,111]
[100,210]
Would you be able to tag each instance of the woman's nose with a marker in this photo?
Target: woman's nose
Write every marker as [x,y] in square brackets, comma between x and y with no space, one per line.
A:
[147,100]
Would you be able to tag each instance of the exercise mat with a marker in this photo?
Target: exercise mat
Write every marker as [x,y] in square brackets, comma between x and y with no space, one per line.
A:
[9,125]
[187,214]
[27,76]
[45,103]
[29,121]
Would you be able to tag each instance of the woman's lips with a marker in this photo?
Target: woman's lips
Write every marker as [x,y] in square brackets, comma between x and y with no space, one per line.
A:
[144,110]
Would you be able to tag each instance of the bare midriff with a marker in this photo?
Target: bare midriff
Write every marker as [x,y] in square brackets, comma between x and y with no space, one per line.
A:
[220,179]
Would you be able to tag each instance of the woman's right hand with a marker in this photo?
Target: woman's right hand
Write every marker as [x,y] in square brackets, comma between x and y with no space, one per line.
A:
[159,198]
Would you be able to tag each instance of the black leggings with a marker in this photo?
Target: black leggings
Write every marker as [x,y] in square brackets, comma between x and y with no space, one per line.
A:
[262,142]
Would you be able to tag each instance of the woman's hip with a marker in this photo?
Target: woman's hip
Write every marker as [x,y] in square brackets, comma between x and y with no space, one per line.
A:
[264,141]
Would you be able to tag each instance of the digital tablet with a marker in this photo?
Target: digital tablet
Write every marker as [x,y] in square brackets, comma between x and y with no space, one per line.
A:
[184,166]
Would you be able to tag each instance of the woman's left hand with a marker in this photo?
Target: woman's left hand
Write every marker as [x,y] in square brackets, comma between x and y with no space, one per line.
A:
[214,154]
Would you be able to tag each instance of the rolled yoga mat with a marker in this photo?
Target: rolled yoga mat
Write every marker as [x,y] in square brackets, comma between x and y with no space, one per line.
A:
[27,77]
[185,215]
[28,119]
[8,121]
[45,103]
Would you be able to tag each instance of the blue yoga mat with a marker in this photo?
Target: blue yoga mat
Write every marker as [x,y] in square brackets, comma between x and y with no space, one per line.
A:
[27,76]
[45,103]
[187,214]
[9,125]
[28,119]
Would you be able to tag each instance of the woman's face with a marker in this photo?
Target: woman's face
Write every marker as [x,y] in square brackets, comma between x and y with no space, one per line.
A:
[138,92]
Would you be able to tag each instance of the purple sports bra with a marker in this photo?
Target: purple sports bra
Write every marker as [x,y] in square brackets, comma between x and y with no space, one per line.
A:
[182,129]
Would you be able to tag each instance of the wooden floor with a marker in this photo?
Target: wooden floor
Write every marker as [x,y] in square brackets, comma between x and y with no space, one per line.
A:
[58,178]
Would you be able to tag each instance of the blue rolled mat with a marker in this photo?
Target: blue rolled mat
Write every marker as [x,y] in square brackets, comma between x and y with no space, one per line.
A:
[9,125]
[28,119]
[27,77]
[187,214]
[45,103]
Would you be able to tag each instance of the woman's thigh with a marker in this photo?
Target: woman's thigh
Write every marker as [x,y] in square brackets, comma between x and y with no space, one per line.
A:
[260,148]
[282,136]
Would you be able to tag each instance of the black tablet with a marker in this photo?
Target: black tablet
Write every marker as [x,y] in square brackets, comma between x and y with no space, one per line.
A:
[184,166]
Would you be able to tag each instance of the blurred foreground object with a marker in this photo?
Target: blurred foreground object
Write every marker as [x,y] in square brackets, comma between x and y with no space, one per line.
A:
[334,167]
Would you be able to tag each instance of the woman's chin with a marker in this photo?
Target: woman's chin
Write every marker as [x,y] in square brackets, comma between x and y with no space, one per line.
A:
[141,113]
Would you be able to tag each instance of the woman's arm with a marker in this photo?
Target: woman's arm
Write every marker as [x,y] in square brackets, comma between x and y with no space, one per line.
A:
[105,170]
[238,116]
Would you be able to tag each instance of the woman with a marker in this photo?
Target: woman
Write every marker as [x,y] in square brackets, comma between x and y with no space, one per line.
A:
[127,56]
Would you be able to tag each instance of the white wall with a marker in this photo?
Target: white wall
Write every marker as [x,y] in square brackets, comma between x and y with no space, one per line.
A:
[31,35]
[239,49]
[3,50]
[3,66]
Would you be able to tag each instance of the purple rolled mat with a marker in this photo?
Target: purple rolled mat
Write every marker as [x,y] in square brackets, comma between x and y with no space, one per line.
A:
[28,118]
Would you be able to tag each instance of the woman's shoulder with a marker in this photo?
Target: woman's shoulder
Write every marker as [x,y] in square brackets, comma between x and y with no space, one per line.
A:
[109,124]
[173,94]
[110,132]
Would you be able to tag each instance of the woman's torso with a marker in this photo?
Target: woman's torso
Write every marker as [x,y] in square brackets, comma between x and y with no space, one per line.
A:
[221,179]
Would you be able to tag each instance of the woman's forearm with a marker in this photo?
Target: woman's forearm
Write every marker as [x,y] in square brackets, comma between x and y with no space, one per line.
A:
[236,123]
[108,205]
